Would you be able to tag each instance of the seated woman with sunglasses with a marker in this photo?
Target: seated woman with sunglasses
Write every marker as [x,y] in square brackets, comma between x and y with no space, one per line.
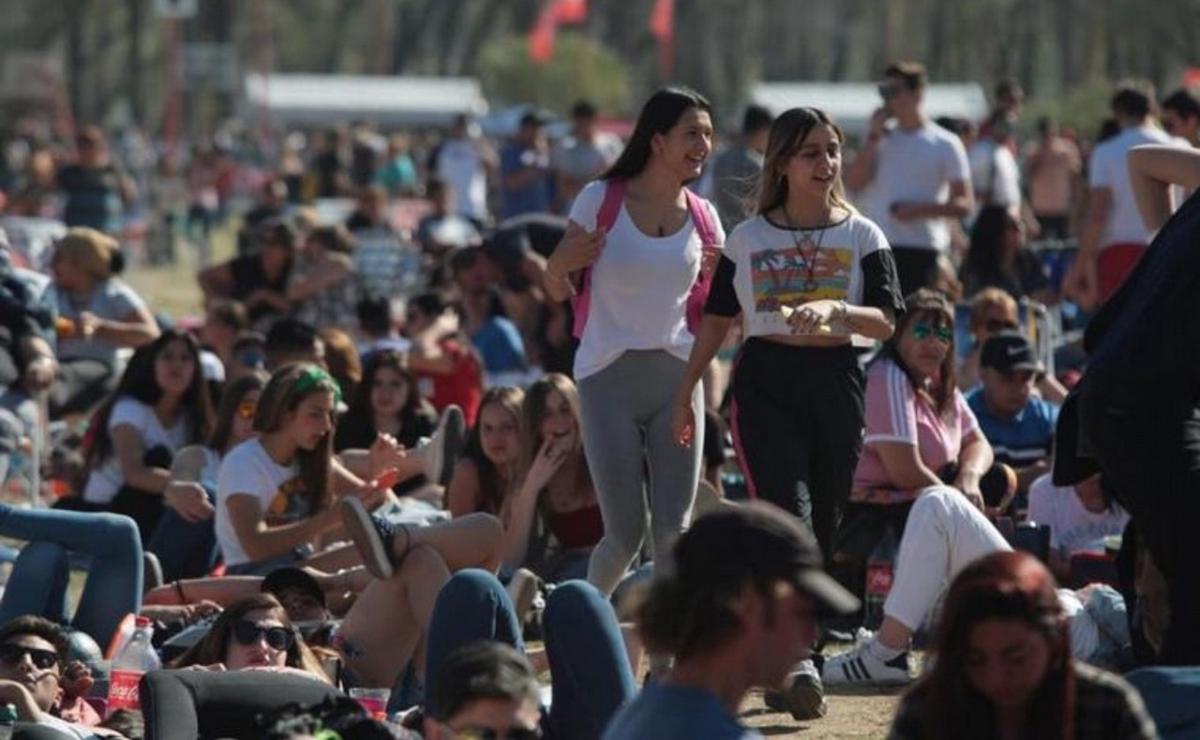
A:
[254,633]
[184,540]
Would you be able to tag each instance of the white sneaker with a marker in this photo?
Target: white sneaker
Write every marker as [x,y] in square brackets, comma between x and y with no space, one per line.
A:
[859,666]
[522,589]
[441,451]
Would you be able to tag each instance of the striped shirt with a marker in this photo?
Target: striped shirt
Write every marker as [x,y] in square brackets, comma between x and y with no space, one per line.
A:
[1024,439]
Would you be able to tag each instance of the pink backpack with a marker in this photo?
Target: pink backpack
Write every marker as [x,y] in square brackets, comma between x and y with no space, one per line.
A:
[610,207]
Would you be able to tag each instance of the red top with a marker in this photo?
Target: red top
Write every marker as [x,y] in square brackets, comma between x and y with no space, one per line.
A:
[462,386]
[578,528]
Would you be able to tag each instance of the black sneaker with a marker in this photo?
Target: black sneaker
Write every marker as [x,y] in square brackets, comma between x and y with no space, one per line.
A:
[804,697]
[373,535]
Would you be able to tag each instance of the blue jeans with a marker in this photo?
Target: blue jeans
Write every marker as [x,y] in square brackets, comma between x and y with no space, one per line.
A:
[1170,696]
[38,584]
[185,549]
[589,668]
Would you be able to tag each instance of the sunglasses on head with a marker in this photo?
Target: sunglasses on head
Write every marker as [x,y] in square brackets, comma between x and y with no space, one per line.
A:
[925,331]
[246,409]
[249,633]
[11,654]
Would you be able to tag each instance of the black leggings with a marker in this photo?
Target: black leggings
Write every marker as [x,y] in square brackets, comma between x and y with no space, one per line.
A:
[917,267]
[797,424]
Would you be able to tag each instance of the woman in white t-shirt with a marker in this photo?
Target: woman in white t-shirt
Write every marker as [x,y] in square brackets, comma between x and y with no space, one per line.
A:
[184,540]
[161,404]
[806,274]
[638,271]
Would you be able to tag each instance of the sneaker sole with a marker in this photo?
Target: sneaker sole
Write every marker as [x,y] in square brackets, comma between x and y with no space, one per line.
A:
[805,699]
[454,437]
[357,521]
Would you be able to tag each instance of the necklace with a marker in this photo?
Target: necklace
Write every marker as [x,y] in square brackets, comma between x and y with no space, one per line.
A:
[802,239]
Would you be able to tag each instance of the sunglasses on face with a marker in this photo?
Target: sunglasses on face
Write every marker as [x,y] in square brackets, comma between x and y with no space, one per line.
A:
[12,654]
[487,733]
[922,332]
[246,409]
[249,633]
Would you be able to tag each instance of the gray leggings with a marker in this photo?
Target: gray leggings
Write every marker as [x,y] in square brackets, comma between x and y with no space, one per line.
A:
[626,434]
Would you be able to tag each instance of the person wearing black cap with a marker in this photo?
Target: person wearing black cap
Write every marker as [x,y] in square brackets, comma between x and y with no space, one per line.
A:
[1018,423]
[526,183]
[737,610]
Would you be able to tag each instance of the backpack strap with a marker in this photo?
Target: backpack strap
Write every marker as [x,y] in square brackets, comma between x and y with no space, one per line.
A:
[701,218]
[610,208]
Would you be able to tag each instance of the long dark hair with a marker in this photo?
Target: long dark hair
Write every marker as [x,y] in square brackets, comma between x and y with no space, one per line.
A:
[213,647]
[1003,586]
[984,262]
[288,387]
[139,383]
[788,133]
[929,305]
[493,484]
[358,423]
[231,399]
[659,115]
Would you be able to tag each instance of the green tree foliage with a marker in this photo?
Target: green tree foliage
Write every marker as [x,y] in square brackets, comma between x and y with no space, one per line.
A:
[581,68]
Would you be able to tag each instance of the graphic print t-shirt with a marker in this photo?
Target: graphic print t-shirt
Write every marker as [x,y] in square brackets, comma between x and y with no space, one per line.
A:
[249,470]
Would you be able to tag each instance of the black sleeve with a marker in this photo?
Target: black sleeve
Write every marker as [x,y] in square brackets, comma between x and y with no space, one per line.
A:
[722,298]
[881,285]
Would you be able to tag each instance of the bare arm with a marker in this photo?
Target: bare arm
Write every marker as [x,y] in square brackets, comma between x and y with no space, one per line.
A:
[578,249]
[130,450]
[262,541]
[905,469]
[134,329]
[959,205]
[1152,170]
[462,495]
[325,276]
[216,281]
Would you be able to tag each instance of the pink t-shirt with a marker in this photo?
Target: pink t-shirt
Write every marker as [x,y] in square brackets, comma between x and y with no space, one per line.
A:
[896,413]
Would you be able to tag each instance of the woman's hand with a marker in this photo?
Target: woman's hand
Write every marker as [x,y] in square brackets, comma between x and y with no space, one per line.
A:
[88,324]
[386,453]
[549,459]
[683,424]
[189,500]
[969,485]
[577,250]
[808,318]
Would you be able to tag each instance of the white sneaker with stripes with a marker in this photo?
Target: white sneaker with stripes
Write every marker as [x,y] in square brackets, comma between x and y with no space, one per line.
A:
[860,667]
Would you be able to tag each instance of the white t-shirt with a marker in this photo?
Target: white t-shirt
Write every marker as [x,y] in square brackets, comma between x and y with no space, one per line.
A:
[460,166]
[639,286]
[772,270]
[106,479]
[1109,168]
[917,167]
[995,174]
[249,470]
[1072,527]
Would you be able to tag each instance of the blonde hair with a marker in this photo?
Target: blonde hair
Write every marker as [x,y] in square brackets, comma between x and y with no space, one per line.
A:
[987,299]
[788,133]
[90,250]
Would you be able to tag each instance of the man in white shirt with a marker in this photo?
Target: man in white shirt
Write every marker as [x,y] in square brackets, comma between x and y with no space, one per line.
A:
[1079,517]
[918,174]
[995,176]
[1113,236]
[583,156]
[465,162]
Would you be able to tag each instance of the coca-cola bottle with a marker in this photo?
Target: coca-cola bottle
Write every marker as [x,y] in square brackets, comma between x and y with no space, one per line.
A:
[136,658]
[880,566]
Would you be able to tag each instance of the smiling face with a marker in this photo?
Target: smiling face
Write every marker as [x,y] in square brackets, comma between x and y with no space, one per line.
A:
[259,651]
[815,166]
[1006,661]
[312,420]
[22,666]
[499,435]
[174,368]
[685,147]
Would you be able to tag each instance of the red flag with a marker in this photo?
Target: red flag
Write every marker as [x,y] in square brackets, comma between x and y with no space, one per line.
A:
[556,12]
[662,27]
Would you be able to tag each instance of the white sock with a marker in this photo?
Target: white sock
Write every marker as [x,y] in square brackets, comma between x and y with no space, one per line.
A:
[881,651]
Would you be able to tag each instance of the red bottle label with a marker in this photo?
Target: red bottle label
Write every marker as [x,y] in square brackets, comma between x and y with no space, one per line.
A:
[879,580]
[123,690]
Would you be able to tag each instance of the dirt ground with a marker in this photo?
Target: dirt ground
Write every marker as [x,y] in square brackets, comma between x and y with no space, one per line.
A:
[852,714]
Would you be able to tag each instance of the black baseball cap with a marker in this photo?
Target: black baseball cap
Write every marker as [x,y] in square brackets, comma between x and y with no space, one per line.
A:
[281,580]
[757,540]
[1009,351]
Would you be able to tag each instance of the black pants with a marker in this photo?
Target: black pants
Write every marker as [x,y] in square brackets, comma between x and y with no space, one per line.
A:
[143,507]
[798,421]
[199,704]
[1054,226]
[917,267]
[1149,451]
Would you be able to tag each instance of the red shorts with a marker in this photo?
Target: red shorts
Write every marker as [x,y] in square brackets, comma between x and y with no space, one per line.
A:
[1114,264]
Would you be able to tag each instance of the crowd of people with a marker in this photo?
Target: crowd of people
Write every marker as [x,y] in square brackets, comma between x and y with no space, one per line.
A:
[664,422]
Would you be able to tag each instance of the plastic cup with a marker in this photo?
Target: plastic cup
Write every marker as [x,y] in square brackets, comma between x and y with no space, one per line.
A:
[374,701]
